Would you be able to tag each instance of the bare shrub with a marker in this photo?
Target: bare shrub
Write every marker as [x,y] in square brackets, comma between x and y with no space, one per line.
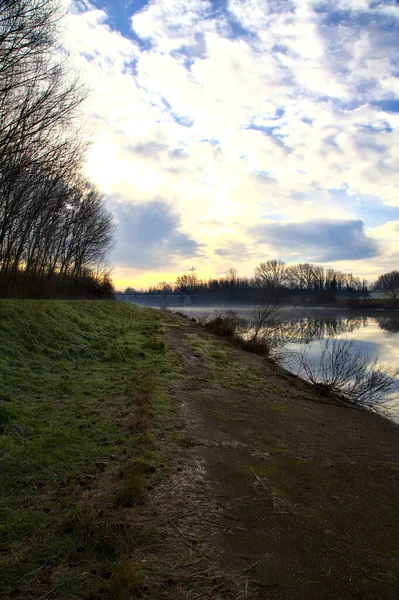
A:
[268,304]
[203,319]
[256,346]
[229,325]
[225,324]
[273,337]
[344,370]
[388,283]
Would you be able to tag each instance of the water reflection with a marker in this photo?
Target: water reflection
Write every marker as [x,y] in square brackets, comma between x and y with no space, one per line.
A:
[391,326]
[375,334]
[304,330]
[376,337]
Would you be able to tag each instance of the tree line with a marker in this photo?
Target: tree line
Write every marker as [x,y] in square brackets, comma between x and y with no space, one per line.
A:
[280,281]
[55,231]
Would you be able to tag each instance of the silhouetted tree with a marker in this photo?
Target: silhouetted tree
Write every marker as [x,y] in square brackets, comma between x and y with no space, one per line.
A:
[388,283]
[272,273]
[186,284]
[54,229]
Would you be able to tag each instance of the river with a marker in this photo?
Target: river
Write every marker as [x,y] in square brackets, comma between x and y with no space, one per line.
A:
[375,333]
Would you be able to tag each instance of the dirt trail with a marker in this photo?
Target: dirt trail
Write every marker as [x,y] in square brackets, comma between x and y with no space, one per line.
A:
[308,488]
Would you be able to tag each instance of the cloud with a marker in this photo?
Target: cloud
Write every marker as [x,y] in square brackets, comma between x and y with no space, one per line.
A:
[236,251]
[172,25]
[149,236]
[89,34]
[321,240]
[237,113]
[150,150]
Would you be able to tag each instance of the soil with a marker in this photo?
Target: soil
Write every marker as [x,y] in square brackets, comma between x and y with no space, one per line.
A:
[306,487]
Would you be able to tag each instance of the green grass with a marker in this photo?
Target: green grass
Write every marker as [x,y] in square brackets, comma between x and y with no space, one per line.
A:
[226,371]
[82,406]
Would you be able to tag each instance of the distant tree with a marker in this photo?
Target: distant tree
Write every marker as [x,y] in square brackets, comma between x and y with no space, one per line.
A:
[129,290]
[318,278]
[302,276]
[330,280]
[232,275]
[164,287]
[186,284]
[272,273]
[388,283]
[365,284]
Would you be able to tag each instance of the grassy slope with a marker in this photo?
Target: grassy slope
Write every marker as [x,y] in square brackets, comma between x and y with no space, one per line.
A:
[82,415]
[86,429]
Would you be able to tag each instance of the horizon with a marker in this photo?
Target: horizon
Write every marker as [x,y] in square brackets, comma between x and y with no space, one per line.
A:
[156,281]
[228,133]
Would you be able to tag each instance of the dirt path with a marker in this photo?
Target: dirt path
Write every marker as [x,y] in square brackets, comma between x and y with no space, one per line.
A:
[307,491]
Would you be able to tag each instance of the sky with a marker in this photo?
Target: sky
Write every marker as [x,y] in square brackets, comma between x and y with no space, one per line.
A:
[229,132]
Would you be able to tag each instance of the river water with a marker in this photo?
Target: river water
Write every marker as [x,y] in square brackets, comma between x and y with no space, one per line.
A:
[375,333]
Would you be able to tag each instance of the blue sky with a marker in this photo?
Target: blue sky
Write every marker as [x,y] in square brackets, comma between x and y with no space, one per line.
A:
[229,132]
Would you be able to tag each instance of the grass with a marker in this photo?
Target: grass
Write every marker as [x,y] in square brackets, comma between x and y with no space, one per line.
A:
[219,362]
[87,431]
[82,405]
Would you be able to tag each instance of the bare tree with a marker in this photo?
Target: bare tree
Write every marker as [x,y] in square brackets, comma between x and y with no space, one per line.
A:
[186,284]
[268,303]
[232,275]
[302,276]
[271,273]
[388,283]
[270,278]
[53,223]
[341,369]
[164,287]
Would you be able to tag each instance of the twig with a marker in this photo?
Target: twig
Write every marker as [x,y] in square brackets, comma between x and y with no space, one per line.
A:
[220,525]
[231,578]
[185,565]
[252,566]
[31,573]
[205,493]
[258,478]
[186,539]
[57,587]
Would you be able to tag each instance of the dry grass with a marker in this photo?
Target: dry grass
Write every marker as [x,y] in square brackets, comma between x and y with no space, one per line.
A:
[187,518]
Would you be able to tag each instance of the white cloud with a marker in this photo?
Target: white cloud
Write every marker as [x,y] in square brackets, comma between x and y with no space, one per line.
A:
[88,34]
[236,129]
[173,24]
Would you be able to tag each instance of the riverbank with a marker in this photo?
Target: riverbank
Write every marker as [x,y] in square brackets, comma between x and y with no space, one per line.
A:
[144,457]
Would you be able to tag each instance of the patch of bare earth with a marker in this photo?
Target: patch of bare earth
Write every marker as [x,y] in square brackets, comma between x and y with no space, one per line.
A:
[282,494]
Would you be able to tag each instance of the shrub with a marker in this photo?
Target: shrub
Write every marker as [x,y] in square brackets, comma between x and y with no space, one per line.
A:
[229,325]
[344,370]
[255,346]
[225,324]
